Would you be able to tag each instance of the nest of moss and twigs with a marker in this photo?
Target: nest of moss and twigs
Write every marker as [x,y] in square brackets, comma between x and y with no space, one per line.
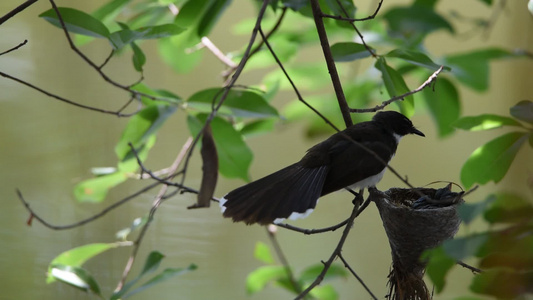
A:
[415,220]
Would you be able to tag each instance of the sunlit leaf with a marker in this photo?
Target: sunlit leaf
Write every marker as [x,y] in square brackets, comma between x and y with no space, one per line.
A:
[141,126]
[334,271]
[444,105]
[96,189]
[484,122]
[75,276]
[324,292]
[438,266]
[260,277]
[491,161]
[234,155]
[348,51]
[109,9]
[416,58]
[238,103]
[523,111]
[77,21]
[78,256]
[396,86]
[129,163]
[262,253]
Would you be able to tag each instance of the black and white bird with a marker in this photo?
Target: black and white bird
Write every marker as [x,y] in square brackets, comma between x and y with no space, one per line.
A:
[347,159]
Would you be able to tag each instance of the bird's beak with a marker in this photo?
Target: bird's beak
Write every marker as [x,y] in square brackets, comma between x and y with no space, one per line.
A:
[417,132]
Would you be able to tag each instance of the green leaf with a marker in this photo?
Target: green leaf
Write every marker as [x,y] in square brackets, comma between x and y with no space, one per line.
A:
[129,163]
[345,51]
[324,292]
[211,16]
[152,262]
[396,86]
[484,122]
[260,277]
[258,127]
[438,266]
[509,208]
[415,20]
[109,9]
[95,189]
[234,155]
[77,21]
[126,36]
[78,256]
[443,104]
[238,103]
[262,253]
[311,273]
[463,247]
[503,284]
[165,96]
[523,111]
[163,276]
[142,126]
[76,277]
[469,211]
[416,58]
[138,59]
[491,161]
[472,68]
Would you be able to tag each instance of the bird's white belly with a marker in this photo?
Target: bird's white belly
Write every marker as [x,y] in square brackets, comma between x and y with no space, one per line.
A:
[369,181]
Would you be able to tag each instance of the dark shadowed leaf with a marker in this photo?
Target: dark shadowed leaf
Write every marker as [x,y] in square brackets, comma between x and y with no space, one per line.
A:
[484,122]
[347,51]
[260,277]
[469,211]
[138,59]
[238,103]
[415,58]
[503,284]
[509,208]
[162,277]
[75,276]
[463,247]
[234,156]
[77,21]
[258,127]
[96,189]
[415,19]
[209,169]
[523,111]
[438,266]
[491,161]
[211,16]
[443,104]
[396,86]
[472,68]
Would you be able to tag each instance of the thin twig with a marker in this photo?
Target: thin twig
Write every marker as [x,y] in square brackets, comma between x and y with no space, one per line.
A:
[41,220]
[322,35]
[218,54]
[157,202]
[105,111]
[346,265]
[355,212]
[426,83]
[471,268]
[15,11]
[351,20]
[271,231]
[14,48]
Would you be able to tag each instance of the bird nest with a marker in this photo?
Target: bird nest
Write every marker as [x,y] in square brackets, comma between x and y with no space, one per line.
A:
[415,220]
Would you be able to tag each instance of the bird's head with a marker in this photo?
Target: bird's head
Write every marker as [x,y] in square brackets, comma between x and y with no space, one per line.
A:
[397,123]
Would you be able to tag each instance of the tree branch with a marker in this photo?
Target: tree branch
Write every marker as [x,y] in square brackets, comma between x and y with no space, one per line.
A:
[426,83]
[16,10]
[322,35]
